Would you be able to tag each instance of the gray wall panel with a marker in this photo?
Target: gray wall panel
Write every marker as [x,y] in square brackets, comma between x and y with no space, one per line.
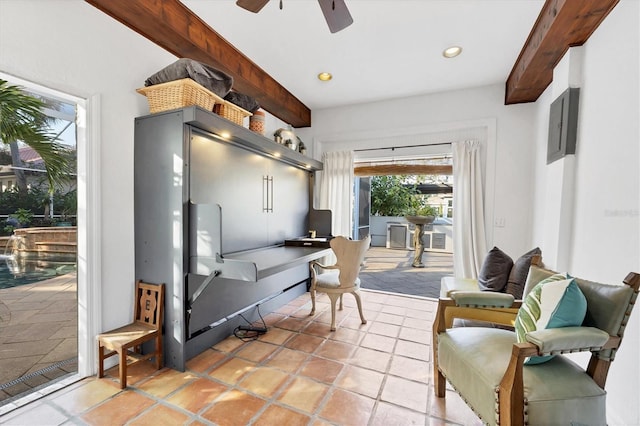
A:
[158,206]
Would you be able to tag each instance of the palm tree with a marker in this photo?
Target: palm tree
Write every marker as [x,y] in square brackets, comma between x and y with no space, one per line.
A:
[22,119]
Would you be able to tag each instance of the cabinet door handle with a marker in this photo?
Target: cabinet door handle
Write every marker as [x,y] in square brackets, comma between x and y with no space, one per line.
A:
[271,194]
[267,194]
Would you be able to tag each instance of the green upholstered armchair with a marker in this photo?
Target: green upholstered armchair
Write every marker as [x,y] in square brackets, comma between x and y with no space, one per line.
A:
[493,372]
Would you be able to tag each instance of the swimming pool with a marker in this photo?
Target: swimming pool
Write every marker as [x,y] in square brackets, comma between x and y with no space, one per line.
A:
[29,274]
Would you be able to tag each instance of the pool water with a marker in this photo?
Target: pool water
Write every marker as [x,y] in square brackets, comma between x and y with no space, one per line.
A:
[31,275]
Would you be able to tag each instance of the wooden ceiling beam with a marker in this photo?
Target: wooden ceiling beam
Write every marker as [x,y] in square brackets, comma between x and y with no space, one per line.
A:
[560,25]
[403,169]
[175,28]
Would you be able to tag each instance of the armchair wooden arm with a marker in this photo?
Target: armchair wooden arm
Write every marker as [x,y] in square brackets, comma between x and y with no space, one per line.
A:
[448,310]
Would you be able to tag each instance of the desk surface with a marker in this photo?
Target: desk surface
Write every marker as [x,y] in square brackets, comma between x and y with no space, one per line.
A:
[255,265]
[272,260]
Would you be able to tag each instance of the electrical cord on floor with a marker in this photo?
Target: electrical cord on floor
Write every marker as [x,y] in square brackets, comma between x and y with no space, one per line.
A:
[250,332]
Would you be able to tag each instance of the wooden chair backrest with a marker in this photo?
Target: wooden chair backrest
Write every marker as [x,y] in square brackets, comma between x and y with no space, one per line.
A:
[149,304]
[349,257]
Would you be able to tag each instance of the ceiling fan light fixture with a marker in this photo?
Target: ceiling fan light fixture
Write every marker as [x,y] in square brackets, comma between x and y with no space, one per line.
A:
[452,52]
[325,76]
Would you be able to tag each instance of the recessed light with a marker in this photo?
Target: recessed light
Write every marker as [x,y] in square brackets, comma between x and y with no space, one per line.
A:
[225,135]
[325,76]
[452,52]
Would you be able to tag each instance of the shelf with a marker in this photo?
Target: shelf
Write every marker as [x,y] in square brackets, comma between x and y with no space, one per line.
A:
[213,123]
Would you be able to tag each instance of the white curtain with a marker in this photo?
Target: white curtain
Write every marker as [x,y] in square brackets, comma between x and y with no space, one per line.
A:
[336,190]
[469,241]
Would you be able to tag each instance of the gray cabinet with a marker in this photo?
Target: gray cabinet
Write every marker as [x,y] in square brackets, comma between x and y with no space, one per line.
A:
[247,193]
[231,177]
[289,208]
[263,201]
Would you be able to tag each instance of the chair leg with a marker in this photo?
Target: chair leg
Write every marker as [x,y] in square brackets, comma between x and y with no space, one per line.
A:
[341,301]
[122,354]
[312,292]
[158,352]
[356,294]
[100,360]
[334,298]
[439,382]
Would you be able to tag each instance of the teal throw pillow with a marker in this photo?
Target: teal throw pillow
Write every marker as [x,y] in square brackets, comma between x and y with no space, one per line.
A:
[553,303]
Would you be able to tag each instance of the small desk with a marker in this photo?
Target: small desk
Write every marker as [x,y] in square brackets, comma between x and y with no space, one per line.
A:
[272,260]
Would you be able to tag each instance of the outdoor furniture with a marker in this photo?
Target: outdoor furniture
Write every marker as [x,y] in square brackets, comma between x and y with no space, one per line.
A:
[521,377]
[342,277]
[127,341]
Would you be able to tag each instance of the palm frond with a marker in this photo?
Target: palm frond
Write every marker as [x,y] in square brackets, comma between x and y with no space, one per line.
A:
[22,119]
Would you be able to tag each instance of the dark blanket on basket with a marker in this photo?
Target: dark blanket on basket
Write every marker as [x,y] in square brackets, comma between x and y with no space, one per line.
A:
[215,80]
[245,102]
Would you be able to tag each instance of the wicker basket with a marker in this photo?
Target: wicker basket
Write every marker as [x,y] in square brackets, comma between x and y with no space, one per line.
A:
[231,112]
[179,94]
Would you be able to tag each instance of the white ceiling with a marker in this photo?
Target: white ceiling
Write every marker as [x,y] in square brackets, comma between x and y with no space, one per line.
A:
[393,49]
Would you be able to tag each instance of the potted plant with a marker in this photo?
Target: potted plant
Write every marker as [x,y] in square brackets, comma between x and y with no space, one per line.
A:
[421,216]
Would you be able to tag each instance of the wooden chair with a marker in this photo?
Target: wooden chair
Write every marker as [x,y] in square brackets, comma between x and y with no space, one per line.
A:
[127,341]
[342,277]
[486,366]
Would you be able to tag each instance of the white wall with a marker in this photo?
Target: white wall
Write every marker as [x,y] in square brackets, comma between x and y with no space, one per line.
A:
[439,117]
[75,48]
[605,236]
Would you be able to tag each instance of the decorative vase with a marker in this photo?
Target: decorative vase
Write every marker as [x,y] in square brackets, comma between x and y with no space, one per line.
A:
[256,122]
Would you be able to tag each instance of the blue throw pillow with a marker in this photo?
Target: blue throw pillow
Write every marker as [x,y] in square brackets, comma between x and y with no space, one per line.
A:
[553,303]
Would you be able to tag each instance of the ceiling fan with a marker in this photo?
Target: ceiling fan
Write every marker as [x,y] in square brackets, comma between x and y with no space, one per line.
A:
[335,11]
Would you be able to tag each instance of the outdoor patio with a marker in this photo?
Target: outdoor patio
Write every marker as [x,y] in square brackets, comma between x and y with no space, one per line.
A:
[390,270]
[38,334]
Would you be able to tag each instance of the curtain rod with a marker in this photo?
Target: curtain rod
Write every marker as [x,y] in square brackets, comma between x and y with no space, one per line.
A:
[393,148]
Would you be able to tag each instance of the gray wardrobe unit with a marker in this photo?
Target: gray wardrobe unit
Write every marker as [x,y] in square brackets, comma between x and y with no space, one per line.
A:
[211,216]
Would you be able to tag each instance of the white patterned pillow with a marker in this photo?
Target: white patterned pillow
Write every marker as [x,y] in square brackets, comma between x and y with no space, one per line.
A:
[553,303]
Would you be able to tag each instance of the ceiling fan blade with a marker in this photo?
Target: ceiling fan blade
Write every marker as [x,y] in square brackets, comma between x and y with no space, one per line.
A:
[336,14]
[252,5]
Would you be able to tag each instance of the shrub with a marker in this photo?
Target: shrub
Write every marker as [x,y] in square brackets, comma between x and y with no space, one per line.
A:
[390,196]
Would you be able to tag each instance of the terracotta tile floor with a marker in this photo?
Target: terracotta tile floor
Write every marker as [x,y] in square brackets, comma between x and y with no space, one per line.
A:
[298,373]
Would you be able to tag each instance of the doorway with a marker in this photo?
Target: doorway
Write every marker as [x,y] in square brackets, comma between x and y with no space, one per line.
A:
[41,316]
[390,190]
